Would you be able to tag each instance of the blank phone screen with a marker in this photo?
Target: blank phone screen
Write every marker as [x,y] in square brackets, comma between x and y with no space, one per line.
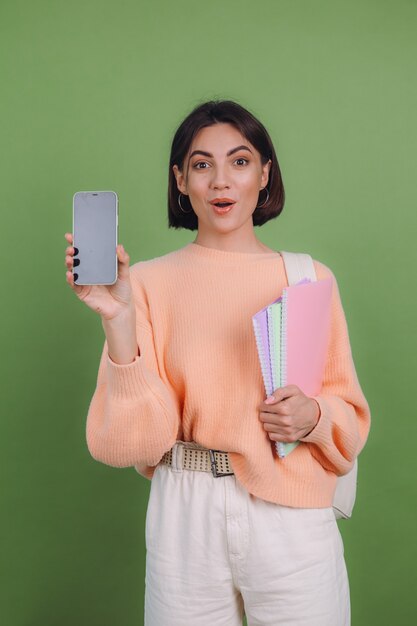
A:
[95,222]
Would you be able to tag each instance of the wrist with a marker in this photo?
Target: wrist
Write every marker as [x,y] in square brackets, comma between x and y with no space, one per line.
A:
[126,314]
[316,415]
[122,344]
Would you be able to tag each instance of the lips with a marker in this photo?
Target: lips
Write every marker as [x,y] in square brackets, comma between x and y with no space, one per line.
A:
[222,203]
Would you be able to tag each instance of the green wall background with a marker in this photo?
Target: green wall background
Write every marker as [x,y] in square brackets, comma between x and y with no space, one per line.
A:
[91,94]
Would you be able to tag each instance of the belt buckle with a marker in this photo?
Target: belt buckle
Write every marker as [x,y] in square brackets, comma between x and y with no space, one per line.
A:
[213,464]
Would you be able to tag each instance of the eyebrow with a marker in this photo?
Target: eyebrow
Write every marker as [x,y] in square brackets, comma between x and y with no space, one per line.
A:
[232,151]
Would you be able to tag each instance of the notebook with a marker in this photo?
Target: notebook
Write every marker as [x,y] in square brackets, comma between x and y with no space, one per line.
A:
[292,335]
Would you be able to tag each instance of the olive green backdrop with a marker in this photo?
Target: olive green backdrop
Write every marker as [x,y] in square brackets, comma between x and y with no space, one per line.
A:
[91,94]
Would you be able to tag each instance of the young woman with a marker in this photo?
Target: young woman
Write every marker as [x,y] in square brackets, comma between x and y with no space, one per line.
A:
[230,527]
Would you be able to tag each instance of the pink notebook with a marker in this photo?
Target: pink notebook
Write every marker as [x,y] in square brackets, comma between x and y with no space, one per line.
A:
[306,331]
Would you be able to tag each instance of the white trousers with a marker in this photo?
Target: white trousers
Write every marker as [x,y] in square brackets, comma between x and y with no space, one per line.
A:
[215,551]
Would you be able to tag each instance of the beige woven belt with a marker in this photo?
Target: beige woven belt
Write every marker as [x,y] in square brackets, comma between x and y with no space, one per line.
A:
[189,455]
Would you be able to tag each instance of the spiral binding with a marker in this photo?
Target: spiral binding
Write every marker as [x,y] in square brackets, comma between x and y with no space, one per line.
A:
[284,338]
[279,446]
[263,360]
[271,352]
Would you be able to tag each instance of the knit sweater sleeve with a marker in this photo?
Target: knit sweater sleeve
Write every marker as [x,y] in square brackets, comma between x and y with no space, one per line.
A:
[133,416]
[344,422]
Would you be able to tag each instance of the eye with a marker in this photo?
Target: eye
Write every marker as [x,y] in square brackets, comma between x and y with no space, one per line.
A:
[242,159]
[195,166]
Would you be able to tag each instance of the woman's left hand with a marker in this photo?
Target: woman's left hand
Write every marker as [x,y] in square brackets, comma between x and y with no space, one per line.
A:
[290,416]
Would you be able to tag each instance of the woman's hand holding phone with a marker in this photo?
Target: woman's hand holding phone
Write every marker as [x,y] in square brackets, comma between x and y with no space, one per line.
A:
[108,301]
[114,303]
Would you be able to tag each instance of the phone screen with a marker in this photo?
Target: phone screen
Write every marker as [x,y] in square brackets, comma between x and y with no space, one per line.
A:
[95,226]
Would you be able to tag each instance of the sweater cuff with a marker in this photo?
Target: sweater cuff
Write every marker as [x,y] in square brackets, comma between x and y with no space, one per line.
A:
[127,381]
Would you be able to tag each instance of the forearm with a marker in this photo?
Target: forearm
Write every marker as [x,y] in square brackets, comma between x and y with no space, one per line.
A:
[121,338]
[134,416]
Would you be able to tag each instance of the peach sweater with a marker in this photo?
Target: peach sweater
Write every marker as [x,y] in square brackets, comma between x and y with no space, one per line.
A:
[198,378]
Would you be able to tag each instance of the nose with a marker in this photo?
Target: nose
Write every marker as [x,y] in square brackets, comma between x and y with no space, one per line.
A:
[219,179]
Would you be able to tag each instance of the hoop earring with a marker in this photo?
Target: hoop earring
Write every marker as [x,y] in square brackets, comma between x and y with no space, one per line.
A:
[265,201]
[179,202]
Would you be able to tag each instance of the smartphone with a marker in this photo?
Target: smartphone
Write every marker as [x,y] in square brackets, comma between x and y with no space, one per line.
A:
[95,229]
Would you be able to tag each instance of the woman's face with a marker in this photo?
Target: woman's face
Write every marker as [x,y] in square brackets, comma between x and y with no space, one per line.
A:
[222,164]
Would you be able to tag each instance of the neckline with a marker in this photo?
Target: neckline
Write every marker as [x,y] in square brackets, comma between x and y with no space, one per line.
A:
[205,251]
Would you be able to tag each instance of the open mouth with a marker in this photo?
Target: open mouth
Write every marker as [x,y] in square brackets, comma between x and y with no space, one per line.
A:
[223,205]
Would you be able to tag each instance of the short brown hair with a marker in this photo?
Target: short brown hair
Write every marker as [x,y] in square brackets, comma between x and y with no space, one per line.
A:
[217,112]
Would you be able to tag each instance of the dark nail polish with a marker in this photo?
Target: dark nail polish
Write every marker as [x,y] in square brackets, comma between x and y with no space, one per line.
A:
[75,251]
[76,262]
[75,277]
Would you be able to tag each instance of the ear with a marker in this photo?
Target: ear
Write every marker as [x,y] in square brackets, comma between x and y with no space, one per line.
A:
[179,176]
[265,173]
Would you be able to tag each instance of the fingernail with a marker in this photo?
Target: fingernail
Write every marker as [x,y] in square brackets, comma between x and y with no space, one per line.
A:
[270,400]
[76,262]
[75,251]
[75,277]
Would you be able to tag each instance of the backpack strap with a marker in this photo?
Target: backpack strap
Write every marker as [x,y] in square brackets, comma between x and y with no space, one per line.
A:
[298,265]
